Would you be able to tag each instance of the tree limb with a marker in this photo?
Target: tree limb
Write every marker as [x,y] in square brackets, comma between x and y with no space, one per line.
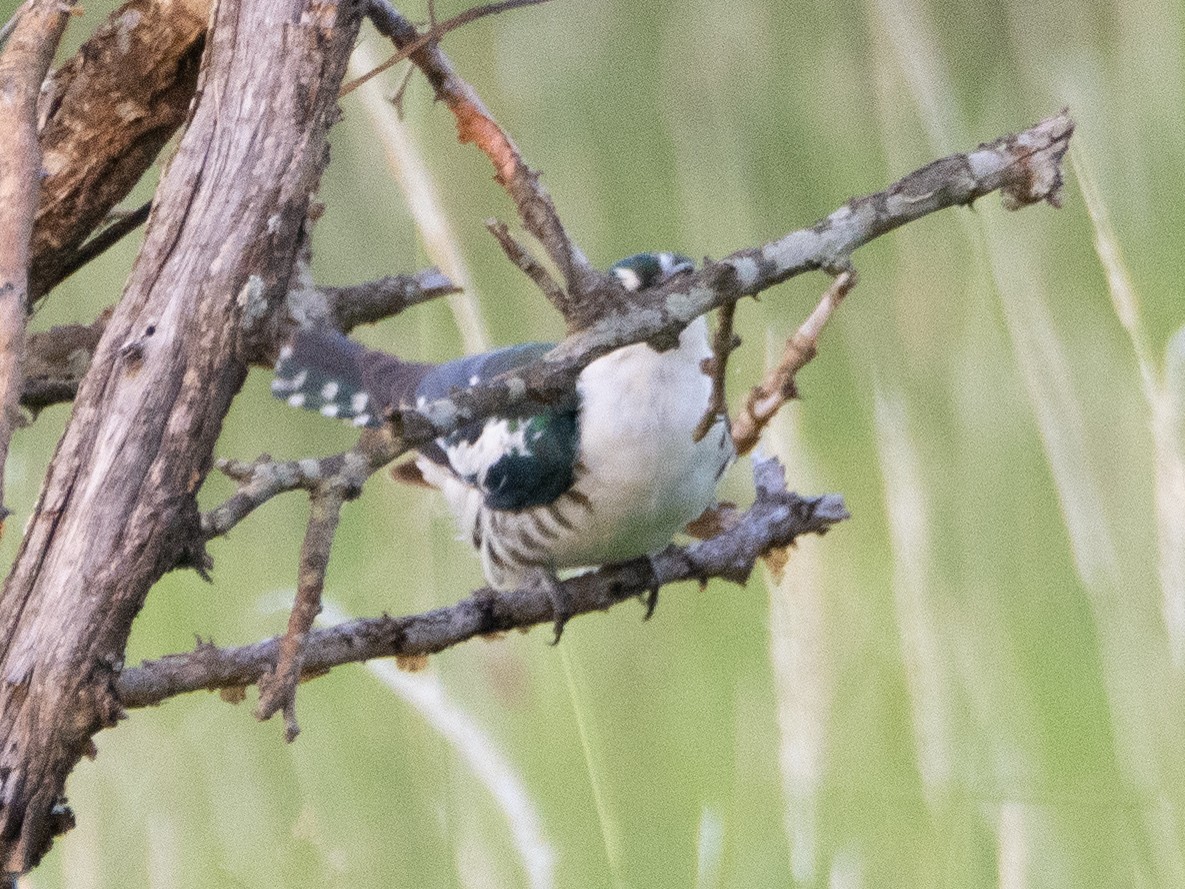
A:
[1024,167]
[476,124]
[23,66]
[775,520]
[117,508]
[57,359]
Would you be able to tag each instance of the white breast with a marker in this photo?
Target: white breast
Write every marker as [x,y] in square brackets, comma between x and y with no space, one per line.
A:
[645,476]
[641,478]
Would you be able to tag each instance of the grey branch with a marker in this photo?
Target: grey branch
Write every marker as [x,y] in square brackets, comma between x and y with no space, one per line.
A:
[117,508]
[774,521]
[1025,168]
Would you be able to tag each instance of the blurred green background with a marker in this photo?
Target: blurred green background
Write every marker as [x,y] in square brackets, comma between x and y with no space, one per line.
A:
[977,681]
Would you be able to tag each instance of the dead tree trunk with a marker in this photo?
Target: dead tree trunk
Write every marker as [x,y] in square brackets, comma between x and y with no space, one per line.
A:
[117,508]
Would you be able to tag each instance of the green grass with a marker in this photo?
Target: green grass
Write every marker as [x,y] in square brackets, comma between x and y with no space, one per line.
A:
[977,681]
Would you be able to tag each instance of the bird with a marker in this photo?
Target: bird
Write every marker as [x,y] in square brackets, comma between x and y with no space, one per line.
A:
[612,472]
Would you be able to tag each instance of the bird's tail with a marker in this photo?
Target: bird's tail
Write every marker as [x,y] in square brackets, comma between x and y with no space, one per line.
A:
[325,371]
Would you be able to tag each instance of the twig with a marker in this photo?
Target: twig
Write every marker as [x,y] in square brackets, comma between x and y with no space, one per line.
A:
[373,301]
[277,690]
[778,387]
[527,264]
[330,481]
[723,344]
[100,243]
[433,34]
[775,519]
[477,125]
[34,36]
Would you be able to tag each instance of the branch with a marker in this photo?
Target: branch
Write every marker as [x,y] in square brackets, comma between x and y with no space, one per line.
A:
[522,259]
[345,308]
[57,359]
[26,59]
[117,508]
[775,520]
[1025,167]
[72,260]
[778,387]
[477,125]
[331,482]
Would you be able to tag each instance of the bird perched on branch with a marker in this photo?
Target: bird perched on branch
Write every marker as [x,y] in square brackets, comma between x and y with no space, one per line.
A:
[610,474]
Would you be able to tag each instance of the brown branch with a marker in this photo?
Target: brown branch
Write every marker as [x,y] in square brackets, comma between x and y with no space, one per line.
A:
[330,481]
[117,508]
[724,342]
[105,116]
[57,359]
[527,264]
[435,31]
[778,387]
[72,260]
[277,689]
[775,520]
[477,125]
[23,66]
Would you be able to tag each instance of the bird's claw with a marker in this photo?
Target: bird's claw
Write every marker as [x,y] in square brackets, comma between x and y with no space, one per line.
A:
[650,599]
[561,608]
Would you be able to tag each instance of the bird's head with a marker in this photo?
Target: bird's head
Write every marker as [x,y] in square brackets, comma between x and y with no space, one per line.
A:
[644,270]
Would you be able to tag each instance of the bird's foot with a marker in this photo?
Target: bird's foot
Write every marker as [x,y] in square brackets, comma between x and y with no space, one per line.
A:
[561,606]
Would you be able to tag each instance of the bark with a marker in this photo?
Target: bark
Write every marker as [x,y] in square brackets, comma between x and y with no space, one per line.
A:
[105,116]
[117,508]
[23,65]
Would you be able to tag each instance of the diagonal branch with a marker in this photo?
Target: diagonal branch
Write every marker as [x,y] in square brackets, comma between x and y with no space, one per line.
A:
[117,508]
[105,116]
[775,520]
[331,483]
[778,387]
[476,124]
[1024,167]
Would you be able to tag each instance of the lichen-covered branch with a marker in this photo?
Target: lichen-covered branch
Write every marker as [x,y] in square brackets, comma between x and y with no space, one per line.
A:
[1024,167]
[23,65]
[775,520]
[345,308]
